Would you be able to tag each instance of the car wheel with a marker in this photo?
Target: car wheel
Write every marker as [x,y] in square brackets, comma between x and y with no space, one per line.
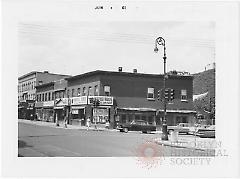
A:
[144,132]
[125,130]
[121,130]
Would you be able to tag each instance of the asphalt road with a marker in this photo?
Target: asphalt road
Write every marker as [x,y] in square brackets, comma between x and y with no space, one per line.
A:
[44,141]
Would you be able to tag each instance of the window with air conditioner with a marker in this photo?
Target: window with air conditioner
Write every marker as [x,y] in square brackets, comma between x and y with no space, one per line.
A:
[150,93]
[183,95]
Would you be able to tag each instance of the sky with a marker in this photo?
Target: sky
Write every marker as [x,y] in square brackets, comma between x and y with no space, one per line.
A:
[78,47]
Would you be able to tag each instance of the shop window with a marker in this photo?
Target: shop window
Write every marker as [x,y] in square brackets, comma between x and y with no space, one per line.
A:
[96,90]
[124,119]
[63,94]
[52,95]
[40,97]
[43,97]
[150,93]
[150,119]
[137,117]
[144,118]
[78,92]
[107,90]
[183,95]
[130,117]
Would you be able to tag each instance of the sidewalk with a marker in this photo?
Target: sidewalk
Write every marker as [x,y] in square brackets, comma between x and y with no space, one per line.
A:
[189,142]
[61,125]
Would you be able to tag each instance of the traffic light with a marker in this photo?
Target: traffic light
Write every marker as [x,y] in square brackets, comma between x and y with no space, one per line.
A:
[171,94]
[166,94]
[96,102]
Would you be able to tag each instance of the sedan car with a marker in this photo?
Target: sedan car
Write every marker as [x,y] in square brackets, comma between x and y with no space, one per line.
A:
[209,132]
[139,125]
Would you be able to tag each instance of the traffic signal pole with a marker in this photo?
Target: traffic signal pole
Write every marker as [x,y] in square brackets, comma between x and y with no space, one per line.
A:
[161,41]
[164,127]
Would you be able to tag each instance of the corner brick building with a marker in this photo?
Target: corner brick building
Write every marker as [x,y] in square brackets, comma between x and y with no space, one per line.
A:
[123,97]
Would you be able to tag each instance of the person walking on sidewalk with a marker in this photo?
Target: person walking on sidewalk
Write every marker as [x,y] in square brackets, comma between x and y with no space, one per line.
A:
[66,119]
[107,124]
[88,122]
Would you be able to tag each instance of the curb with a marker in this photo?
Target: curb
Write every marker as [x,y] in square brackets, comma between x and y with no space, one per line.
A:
[179,146]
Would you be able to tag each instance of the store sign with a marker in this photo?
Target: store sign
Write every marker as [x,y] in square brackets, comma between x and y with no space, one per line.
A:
[48,103]
[39,104]
[78,100]
[100,115]
[104,100]
[74,111]
[61,102]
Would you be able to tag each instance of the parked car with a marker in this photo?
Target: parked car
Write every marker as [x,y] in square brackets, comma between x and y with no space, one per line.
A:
[139,125]
[194,129]
[209,132]
[181,128]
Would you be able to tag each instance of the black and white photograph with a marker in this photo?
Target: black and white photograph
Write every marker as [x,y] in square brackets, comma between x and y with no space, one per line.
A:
[114,85]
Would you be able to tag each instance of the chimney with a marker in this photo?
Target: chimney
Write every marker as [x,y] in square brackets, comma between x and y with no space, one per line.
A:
[45,72]
[134,70]
[119,69]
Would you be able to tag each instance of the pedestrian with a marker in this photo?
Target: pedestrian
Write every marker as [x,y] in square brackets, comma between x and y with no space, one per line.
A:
[107,124]
[65,119]
[88,122]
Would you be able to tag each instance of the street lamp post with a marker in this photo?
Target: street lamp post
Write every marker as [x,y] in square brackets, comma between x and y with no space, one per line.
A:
[161,41]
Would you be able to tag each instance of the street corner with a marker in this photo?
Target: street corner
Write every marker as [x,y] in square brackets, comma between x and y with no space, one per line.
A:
[171,143]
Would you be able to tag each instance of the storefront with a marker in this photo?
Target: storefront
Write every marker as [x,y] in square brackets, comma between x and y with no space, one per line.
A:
[59,109]
[77,110]
[48,111]
[102,113]
[174,117]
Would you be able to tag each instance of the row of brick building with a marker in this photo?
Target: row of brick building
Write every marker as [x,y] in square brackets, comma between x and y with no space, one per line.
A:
[123,97]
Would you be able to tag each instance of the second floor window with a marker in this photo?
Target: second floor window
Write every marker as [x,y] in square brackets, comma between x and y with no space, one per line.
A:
[46,96]
[90,91]
[72,92]
[78,92]
[107,90]
[150,93]
[183,95]
[84,91]
[52,95]
[96,90]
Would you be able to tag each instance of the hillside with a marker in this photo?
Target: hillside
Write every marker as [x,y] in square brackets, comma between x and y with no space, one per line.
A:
[204,82]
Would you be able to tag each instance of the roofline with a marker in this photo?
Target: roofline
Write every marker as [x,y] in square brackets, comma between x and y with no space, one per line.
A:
[31,73]
[100,72]
[28,74]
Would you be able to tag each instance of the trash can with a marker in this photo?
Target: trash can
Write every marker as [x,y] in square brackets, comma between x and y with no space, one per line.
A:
[174,136]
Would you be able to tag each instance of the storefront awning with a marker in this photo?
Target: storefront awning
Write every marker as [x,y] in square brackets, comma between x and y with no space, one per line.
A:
[178,111]
[139,109]
[78,107]
[58,107]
